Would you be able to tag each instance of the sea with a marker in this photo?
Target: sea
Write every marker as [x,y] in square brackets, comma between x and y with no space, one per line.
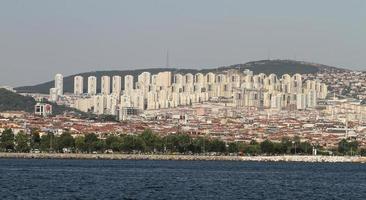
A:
[146,179]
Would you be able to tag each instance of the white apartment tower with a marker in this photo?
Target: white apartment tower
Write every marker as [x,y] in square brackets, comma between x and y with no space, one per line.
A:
[164,79]
[53,95]
[59,84]
[92,85]
[128,84]
[144,78]
[106,85]
[78,85]
[116,85]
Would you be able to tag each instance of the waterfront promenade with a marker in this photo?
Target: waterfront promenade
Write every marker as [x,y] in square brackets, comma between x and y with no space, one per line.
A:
[282,158]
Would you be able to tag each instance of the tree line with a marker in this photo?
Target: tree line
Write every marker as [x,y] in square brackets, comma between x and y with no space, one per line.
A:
[148,142]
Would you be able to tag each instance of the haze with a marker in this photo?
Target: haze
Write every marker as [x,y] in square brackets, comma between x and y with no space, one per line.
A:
[41,38]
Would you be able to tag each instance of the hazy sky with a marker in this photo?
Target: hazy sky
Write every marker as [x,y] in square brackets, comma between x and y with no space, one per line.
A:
[41,38]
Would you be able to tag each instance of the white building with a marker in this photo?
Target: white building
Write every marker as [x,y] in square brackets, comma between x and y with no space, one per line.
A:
[43,109]
[106,85]
[99,104]
[59,84]
[116,85]
[163,79]
[53,95]
[84,104]
[128,85]
[92,85]
[78,85]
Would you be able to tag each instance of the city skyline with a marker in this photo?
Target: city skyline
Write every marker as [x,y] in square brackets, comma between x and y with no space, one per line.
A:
[73,38]
[194,99]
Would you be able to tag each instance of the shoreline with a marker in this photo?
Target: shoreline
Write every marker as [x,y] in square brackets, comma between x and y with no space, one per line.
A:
[282,158]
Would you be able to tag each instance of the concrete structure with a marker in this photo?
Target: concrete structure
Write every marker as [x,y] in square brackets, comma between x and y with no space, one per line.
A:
[128,88]
[53,95]
[78,85]
[59,84]
[92,85]
[116,85]
[105,85]
[43,109]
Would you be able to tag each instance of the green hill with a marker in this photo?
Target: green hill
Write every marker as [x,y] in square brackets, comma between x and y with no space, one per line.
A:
[278,67]
[10,101]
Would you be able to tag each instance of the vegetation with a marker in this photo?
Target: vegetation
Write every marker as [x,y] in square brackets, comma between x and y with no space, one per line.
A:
[148,142]
[7,140]
[15,102]
[10,101]
[348,147]
[278,67]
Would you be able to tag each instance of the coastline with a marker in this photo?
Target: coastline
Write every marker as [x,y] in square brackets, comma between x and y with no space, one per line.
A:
[282,158]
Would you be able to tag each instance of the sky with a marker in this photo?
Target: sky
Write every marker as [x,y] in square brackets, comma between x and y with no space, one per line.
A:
[40,38]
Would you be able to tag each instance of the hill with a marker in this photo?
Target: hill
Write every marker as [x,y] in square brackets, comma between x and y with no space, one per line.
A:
[278,67]
[10,101]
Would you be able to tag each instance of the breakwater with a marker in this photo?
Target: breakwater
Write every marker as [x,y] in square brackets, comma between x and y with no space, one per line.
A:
[282,158]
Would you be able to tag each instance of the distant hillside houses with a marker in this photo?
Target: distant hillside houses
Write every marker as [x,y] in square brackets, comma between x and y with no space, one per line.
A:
[169,90]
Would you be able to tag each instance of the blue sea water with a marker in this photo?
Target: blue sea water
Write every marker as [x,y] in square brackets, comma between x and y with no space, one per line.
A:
[122,179]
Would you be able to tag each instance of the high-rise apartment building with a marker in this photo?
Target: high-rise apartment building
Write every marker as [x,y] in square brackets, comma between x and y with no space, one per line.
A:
[128,84]
[116,85]
[106,85]
[59,84]
[92,85]
[78,85]
[53,95]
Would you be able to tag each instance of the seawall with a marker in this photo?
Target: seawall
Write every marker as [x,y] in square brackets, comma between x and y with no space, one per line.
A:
[283,158]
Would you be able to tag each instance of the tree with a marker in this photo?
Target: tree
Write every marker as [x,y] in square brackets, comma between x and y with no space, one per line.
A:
[7,140]
[114,142]
[91,142]
[343,146]
[296,144]
[286,145]
[306,147]
[66,141]
[178,142]
[35,139]
[200,145]
[217,146]
[363,152]
[353,146]
[131,143]
[100,145]
[267,147]
[278,148]
[241,147]
[80,143]
[252,149]
[48,142]
[151,140]
[233,147]
[22,142]
[128,143]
